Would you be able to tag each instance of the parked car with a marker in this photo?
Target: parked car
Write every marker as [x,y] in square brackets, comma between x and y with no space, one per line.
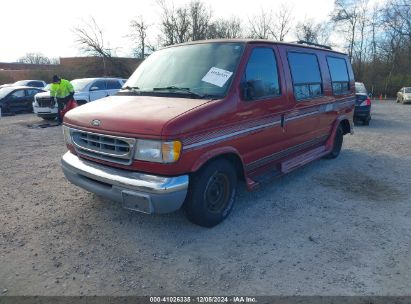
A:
[194,118]
[404,95]
[17,99]
[5,85]
[86,90]
[30,83]
[362,110]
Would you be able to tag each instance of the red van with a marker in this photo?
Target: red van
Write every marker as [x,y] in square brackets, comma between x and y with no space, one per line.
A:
[195,118]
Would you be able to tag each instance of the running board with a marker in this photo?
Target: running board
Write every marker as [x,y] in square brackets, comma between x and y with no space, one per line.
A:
[302,159]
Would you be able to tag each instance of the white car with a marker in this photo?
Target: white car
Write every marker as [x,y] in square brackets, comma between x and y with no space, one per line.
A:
[85,90]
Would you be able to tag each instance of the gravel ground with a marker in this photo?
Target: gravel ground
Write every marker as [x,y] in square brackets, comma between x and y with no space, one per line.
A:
[334,227]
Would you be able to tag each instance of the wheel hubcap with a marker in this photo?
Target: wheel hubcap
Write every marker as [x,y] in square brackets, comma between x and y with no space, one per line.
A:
[217,192]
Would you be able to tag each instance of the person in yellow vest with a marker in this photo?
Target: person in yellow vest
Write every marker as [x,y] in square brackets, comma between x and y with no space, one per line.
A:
[63,91]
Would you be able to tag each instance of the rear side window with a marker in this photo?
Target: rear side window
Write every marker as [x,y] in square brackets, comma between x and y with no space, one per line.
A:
[261,75]
[99,85]
[306,75]
[113,85]
[339,75]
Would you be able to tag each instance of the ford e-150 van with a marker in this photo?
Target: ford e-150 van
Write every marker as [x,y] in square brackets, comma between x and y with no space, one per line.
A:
[195,118]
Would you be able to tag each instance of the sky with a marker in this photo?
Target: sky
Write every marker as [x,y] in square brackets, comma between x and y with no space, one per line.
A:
[47,26]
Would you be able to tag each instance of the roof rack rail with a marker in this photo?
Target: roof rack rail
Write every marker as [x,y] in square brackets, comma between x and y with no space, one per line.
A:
[314,44]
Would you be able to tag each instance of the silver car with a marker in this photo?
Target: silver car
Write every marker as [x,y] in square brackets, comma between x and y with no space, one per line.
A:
[404,95]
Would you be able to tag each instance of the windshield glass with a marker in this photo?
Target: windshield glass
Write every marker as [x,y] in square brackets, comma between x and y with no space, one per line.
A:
[407,90]
[5,91]
[80,84]
[360,88]
[205,69]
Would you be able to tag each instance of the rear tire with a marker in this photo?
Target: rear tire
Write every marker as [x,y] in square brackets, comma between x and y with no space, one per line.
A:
[211,193]
[49,118]
[366,122]
[338,141]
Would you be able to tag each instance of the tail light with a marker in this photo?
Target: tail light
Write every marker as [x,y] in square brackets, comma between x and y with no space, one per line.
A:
[366,102]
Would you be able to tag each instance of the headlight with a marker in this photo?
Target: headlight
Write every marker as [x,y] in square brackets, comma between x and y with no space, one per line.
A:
[158,151]
[67,135]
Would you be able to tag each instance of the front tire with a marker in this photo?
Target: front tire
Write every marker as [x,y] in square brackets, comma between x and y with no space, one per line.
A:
[211,193]
[338,141]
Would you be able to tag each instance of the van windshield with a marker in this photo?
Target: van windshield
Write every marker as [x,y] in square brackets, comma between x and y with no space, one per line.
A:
[204,69]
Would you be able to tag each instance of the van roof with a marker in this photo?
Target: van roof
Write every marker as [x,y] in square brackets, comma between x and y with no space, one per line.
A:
[264,41]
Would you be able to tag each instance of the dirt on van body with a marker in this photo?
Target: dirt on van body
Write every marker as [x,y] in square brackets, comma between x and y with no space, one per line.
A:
[334,227]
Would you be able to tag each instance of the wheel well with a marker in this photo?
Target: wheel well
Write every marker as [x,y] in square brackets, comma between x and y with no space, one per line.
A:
[345,124]
[234,159]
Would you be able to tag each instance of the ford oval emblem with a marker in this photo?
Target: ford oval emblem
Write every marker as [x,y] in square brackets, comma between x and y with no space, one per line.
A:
[96,122]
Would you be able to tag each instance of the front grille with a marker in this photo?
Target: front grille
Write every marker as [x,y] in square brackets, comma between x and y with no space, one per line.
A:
[105,147]
[45,102]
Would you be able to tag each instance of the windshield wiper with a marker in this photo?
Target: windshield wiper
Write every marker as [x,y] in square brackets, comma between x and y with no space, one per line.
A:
[130,88]
[174,88]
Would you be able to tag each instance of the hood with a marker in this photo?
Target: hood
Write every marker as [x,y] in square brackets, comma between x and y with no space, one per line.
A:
[132,115]
[43,94]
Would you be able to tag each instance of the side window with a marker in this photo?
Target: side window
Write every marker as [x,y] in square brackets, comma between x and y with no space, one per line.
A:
[339,75]
[17,94]
[306,75]
[31,92]
[98,85]
[113,85]
[260,79]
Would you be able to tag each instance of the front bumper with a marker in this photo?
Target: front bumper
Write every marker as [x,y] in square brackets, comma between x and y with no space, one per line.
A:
[45,110]
[136,191]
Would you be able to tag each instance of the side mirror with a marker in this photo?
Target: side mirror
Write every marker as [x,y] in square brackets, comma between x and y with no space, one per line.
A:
[94,88]
[252,89]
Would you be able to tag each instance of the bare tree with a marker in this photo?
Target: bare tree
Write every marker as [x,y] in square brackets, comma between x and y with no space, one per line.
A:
[346,16]
[260,26]
[139,28]
[310,31]
[282,22]
[91,41]
[200,18]
[268,25]
[37,58]
[225,28]
[175,23]
[186,23]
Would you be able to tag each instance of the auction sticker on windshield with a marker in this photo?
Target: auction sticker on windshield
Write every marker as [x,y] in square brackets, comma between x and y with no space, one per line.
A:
[217,76]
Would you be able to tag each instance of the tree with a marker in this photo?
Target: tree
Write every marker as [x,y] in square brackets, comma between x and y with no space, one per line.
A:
[310,31]
[268,25]
[225,28]
[199,18]
[139,28]
[260,25]
[346,16]
[37,58]
[282,23]
[189,22]
[91,40]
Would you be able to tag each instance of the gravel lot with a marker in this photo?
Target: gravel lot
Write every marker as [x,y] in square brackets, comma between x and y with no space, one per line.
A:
[334,227]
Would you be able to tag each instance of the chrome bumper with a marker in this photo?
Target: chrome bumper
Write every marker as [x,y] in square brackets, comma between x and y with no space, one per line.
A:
[136,191]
